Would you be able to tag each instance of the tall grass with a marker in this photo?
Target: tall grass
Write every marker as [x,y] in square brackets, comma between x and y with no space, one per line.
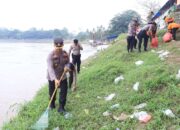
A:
[158,88]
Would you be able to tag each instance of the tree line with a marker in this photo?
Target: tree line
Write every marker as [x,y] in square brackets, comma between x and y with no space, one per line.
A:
[118,24]
[34,33]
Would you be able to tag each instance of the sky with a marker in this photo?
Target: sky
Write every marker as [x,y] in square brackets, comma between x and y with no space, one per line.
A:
[75,15]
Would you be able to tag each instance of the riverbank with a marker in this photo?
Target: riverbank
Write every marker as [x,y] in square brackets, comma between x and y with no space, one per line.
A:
[23,72]
[159,89]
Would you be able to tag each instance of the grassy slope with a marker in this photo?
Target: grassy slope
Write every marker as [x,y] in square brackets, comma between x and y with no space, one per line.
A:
[158,88]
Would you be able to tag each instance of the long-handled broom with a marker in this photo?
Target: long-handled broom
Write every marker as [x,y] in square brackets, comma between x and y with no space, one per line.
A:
[42,123]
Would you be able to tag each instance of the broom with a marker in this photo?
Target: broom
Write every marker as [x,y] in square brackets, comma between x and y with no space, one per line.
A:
[42,123]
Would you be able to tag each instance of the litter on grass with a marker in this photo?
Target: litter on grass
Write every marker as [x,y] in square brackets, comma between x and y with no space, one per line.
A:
[115,106]
[169,113]
[106,113]
[138,63]
[121,117]
[140,106]
[142,116]
[163,54]
[116,81]
[178,75]
[68,115]
[136,86]
[110,97]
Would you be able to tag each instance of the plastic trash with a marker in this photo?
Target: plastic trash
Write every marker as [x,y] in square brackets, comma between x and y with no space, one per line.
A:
[68,115]
[142,105]
[118,129]
[178,75]
[136,86]
[167,37]
[116,81]
[115,106]
[122,117]
[154,42]
[163,55]
[110,97]
[140,62]
[139,114]
[142,116]
[106,113]
[145,119]
[169,113]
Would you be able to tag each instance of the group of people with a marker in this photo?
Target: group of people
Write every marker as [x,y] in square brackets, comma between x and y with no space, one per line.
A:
[58,61]
[144,33]
[58,64]
[172,26]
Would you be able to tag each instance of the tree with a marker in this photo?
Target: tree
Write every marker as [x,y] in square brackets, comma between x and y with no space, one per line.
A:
[148,7]
[119,24]
[33,33]
[82,36]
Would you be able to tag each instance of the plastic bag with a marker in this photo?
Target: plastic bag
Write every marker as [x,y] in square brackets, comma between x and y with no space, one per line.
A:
[169,113]
[142,116]
[154,42]
[110,97]
[136,86]
[167,37]
[116,81]
[140,62]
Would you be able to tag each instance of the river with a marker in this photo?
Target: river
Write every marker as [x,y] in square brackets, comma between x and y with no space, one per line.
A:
[23,72]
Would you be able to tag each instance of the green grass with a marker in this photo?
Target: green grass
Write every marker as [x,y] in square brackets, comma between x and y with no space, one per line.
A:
[158,88]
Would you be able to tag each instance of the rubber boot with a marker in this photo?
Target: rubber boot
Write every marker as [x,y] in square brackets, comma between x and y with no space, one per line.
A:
[61,108]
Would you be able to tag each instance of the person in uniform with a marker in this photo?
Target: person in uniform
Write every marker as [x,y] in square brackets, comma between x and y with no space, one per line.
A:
[76,47]
[57,63]
[147,31]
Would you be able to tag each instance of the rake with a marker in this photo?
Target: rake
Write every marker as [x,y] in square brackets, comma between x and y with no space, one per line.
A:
[42,123]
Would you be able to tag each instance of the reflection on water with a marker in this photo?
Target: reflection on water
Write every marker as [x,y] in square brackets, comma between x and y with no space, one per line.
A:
[23,71]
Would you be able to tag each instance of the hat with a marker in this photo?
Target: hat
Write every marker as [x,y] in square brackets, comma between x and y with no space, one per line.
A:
[75,40]
[58,42]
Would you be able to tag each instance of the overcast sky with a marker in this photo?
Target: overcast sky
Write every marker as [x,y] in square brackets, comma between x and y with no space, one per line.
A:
[76,15]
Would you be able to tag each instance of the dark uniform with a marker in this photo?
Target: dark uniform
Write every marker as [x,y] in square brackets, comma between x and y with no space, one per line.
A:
[131,40]
[146,31]
[56,61]
[76,55]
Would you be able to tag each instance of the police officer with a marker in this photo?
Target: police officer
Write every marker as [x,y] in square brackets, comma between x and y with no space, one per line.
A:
[76,55]
[56,62]
[132,29]
[147,31]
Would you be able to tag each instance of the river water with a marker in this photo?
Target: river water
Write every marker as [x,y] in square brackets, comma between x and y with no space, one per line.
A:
[23,72]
